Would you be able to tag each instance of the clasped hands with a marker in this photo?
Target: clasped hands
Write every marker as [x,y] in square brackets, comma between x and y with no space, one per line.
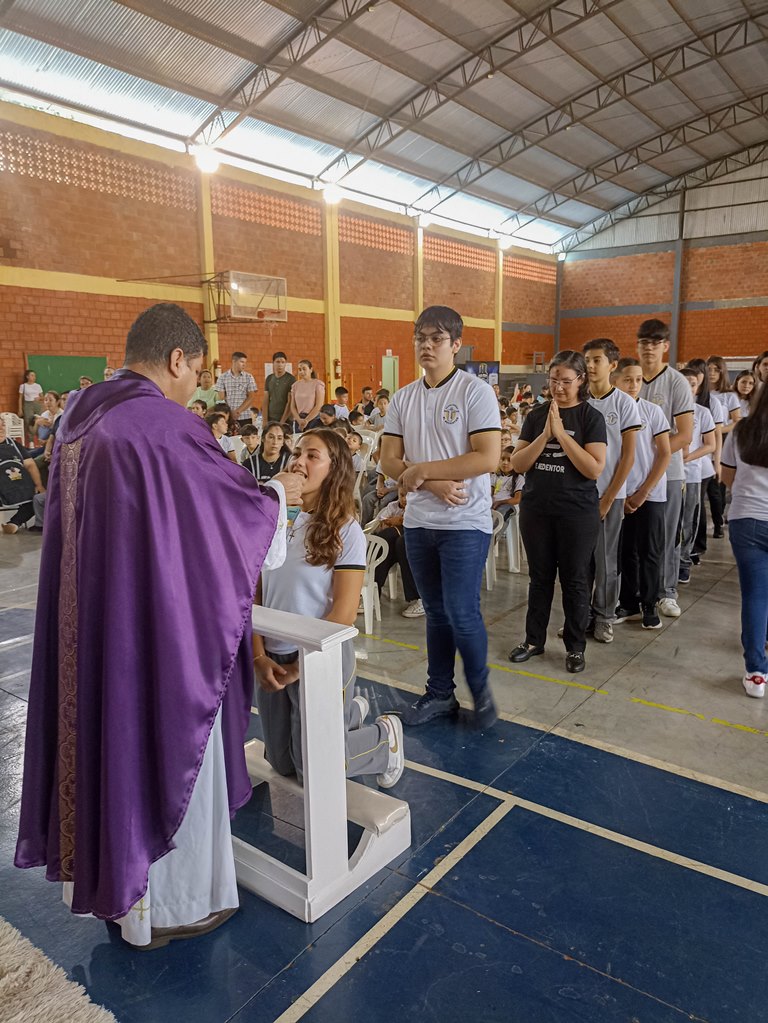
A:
[553,427]
[452,492]
[273,677]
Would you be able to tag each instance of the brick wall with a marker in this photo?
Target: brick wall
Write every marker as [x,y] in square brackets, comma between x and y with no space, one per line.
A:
[62,323]
[79,208]
[574,333]
[460,276]
[301,337]
[375,262]
[518,347]
[645,279]
[481,340]
[725,271]
[365,341]
[722,332]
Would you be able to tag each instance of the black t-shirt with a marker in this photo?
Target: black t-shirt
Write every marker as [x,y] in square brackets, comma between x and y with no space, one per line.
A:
[553,484]
[259,467]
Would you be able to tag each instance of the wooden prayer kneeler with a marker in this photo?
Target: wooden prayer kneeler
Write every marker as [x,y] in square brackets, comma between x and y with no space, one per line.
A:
[329,799]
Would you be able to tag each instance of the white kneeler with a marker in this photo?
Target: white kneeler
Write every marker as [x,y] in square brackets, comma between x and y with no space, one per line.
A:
[329,799]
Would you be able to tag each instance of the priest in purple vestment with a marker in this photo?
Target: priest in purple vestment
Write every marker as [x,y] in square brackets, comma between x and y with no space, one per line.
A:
[142,677]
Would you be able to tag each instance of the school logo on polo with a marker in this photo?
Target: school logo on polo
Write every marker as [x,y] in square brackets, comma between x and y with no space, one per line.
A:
[451,414]
[611,418]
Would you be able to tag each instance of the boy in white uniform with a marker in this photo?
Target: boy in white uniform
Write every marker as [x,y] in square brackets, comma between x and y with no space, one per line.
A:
[441,442]
[702,445]
[642,534]
[665,387]
[622,421]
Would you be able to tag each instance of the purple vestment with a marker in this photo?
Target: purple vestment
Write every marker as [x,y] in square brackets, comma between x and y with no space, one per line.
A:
[153,545]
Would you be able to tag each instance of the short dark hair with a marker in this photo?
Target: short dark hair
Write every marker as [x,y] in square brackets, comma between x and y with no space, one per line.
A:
[441,317]
[200,403]
[89,379]
[279,355]
[366,388]
[249,431]
[329,410]
[606,345]
[575,361]
[214,417]
[654,330]
[625,363]
[356,417]
[238,355]
[340,390]
[156,332]
[382,394]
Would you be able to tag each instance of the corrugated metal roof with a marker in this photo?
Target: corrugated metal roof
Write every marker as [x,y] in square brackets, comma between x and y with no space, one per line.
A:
[417,71]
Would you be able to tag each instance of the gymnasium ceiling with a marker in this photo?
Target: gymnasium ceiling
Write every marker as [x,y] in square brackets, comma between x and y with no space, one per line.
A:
[539,121]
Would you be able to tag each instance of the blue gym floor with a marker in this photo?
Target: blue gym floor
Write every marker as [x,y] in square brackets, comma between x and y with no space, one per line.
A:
[548,881]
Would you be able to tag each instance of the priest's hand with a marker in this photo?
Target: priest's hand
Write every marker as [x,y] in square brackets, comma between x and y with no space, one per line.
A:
[293,483]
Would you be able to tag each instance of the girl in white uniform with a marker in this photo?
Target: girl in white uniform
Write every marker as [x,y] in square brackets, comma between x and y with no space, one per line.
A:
[321,577]
[744,387]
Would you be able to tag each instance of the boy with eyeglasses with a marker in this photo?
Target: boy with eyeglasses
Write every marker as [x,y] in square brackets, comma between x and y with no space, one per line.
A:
[441,442]
[664,386]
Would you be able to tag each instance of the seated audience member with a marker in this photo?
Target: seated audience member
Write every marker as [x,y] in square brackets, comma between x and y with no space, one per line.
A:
[745,389]
[19,481]
[38,506]
[43,461]
[356,419]
[389,526]
[224,409]
[342,403]
[325,417]
[322,577]
[205,391]
[377,417]
[642,531]
[268,459]
[355,444]
[506,485]
[374,500]
[43,424]
[745,471]
[108,372]
[199,408]
[506,439]
[218,423]
[85,382]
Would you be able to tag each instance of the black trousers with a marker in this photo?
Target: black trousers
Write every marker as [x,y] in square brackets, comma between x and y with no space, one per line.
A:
[716,494]
[641,556]
[561,546]
[24,514]
[396,556]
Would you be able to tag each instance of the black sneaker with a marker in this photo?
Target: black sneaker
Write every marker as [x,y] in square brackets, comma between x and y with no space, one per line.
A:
[430,706]
[650,619]
[695,558]
[718,533]
[683,575]
[485,710]
[623,614]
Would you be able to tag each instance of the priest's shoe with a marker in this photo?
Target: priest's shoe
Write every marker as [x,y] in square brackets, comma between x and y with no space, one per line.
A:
[161,936]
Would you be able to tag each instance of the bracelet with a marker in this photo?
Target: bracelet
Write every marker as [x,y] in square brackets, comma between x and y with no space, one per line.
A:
[258,657]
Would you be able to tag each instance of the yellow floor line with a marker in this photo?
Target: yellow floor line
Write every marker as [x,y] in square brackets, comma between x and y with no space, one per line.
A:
[339,969]
[392,642]
[547,678]
[664,706]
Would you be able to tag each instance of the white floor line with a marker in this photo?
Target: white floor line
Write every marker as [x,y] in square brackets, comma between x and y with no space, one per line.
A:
[595,829]
[583,740]
[339,969]
[9,644]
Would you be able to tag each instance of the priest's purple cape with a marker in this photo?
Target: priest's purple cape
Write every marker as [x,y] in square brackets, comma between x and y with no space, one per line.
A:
[153,545]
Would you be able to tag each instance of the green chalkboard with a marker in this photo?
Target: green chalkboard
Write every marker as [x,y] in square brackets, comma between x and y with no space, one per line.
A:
[63,372]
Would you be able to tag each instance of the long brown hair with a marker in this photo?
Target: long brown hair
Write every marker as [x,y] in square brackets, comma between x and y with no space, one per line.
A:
[335,503]
[723,380]
[751,434]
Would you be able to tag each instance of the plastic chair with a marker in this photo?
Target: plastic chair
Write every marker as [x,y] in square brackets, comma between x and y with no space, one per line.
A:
[490,561]
[239,446]
[14,425]
[512,538]
[376,550]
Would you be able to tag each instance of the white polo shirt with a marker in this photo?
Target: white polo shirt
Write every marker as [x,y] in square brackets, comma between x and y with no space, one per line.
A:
[703,423]
[621,415]
[653,422]
[671,392]
[436,423]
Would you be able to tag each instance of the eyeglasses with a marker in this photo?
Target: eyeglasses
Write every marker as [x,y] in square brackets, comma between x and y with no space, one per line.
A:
[563,382]
[650,341]
[430,339]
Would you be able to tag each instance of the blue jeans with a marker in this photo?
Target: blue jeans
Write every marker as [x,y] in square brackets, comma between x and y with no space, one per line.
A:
[448,566]
[749,540]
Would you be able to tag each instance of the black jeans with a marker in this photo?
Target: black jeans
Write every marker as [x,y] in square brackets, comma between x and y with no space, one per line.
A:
[641,556]
[397,556]
[24,514]
[559,545]
[711,489]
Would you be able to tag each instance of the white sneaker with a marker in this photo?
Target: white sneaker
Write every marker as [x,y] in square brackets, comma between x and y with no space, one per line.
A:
[363,706]
[396,764]
[603,632]
[414,610]
[669,608]
[754,684]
